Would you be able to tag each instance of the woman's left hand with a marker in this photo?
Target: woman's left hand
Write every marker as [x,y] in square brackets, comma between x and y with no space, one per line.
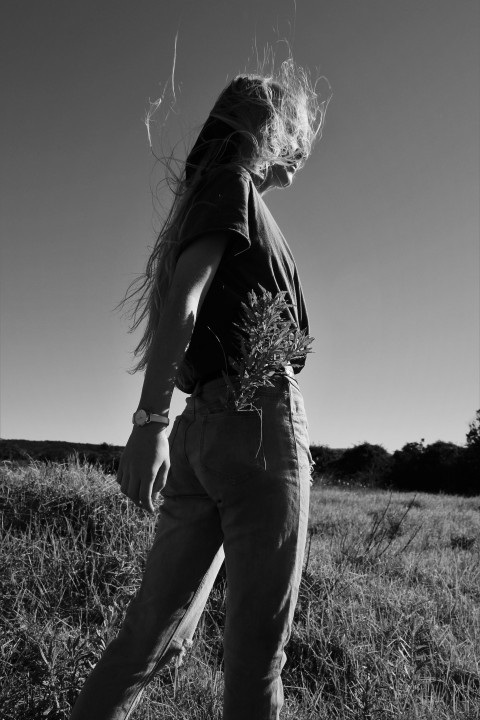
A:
[144,465]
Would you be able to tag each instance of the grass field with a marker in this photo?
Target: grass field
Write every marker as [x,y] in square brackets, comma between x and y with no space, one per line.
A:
[387,625]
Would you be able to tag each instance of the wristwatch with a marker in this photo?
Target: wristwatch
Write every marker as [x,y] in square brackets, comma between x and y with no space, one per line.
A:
[142,417]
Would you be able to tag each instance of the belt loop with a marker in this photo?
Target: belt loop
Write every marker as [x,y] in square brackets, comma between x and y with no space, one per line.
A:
[193,398]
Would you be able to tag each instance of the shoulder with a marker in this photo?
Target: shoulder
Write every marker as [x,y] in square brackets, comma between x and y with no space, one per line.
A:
[225,179]
[220,204]
[232,170]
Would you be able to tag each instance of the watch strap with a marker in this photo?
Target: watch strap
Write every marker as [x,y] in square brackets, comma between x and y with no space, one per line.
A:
[153,417]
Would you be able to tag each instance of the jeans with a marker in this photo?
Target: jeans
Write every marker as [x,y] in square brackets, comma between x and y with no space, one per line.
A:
[241,480]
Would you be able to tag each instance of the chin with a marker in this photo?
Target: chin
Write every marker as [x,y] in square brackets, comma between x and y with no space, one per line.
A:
[279,176]
[283,176]
[287,178]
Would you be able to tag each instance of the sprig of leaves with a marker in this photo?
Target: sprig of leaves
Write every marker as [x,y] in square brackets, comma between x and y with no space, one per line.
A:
[268,341]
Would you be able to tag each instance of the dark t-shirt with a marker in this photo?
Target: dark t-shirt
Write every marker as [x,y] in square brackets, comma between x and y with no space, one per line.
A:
[257,255]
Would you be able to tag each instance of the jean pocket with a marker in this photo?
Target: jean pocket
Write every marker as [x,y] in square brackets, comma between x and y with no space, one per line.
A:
[232,443]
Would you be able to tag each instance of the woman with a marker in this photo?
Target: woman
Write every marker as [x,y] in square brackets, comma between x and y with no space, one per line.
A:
[233,478]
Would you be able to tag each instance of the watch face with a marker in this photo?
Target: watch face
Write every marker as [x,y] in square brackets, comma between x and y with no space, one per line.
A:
[140,417]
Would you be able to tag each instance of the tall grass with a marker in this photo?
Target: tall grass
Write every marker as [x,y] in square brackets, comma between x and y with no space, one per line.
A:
[387,624]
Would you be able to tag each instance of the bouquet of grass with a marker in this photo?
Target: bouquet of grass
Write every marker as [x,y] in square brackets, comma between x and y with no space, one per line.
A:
[268,341]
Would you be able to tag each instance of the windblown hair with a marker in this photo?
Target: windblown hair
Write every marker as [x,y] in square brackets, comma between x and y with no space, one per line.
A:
[257,121]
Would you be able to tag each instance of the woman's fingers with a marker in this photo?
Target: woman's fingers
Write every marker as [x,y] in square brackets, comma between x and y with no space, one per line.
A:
[161,477]
[139,491]
[145,496]
[132,488]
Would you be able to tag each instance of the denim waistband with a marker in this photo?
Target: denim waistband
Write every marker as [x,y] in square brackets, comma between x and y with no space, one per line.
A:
[218,386]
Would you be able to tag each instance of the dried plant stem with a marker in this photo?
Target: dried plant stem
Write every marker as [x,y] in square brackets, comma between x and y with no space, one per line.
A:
[269,341]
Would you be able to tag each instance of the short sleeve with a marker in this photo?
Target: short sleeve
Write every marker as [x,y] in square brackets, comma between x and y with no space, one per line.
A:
[220,205]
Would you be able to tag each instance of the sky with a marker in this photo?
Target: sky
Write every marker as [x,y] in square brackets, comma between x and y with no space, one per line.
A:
[383,220]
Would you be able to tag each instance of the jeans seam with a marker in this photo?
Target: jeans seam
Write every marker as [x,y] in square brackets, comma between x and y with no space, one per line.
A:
[298,516]
[290,416]
[176,427]
[184,447]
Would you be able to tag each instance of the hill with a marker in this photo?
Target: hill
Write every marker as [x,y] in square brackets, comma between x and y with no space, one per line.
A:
[24,451]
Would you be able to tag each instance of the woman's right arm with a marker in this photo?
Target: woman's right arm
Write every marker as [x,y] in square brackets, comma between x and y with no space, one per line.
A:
[145,461]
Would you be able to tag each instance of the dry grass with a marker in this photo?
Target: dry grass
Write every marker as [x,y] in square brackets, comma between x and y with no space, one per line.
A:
[387,625]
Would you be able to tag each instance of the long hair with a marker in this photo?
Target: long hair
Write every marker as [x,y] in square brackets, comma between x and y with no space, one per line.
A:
[257,121]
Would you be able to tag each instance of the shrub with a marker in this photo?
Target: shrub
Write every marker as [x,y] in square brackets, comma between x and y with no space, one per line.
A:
[365,463]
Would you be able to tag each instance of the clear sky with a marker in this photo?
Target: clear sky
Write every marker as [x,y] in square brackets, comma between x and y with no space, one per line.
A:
[383,221]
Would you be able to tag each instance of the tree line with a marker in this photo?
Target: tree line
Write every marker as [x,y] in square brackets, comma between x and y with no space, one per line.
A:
[438,467]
